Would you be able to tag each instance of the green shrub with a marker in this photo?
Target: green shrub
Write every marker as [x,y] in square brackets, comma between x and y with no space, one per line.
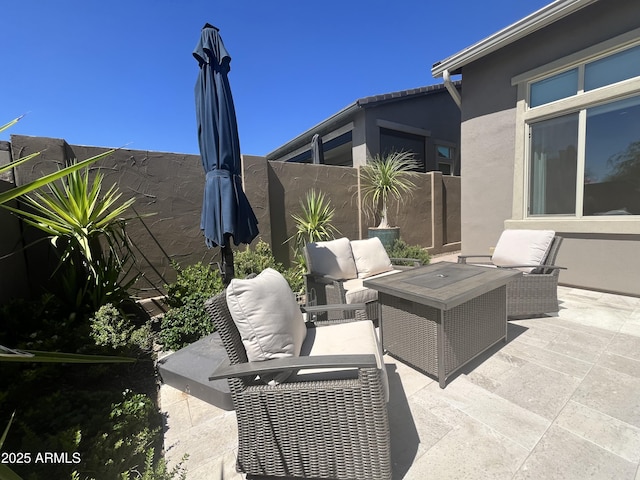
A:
[260,257]
[112,328]
[400,249]
[187,321]
[108,435]
[125,446]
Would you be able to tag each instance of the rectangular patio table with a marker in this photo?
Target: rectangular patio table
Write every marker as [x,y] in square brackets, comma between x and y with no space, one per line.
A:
[439,317]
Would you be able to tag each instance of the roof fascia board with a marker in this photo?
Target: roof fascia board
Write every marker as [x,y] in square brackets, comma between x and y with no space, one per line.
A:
[537,20]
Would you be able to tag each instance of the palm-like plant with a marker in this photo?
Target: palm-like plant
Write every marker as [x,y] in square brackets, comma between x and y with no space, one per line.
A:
[88,229]
[314,224]
[10,355]
[76,211]
[386,177]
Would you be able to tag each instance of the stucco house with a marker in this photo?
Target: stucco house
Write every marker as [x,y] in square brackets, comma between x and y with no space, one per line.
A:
[550,137]
[423,120]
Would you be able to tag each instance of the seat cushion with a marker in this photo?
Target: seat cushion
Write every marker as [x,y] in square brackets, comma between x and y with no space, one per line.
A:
[268,318]
[332,259]
[338,339]
[370,257]
[355,292]
[522,247]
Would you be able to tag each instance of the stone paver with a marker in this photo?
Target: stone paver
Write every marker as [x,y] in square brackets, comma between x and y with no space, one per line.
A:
[559,400]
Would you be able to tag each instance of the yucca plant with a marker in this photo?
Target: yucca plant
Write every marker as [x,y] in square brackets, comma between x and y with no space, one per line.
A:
[387,177]
[314,223]
[11,355]
[88,230]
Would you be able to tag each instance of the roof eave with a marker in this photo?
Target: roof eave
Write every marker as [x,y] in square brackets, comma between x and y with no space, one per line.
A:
[531,23]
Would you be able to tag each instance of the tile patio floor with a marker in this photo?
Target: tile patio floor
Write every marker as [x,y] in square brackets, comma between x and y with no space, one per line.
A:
[559,400]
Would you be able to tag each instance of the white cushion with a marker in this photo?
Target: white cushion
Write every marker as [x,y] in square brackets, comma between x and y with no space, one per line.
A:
[522,247]
[355,292]
[352,337]
[370,256]
[360,294]
[332,258]
[268,318]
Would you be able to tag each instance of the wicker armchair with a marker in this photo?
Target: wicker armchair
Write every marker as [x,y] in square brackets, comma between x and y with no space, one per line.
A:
[535,292]
[329,424]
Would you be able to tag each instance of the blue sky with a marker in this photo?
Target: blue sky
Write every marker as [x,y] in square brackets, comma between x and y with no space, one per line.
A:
[121,72]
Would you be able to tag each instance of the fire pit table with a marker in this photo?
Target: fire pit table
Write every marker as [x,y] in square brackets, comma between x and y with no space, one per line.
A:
[439,317]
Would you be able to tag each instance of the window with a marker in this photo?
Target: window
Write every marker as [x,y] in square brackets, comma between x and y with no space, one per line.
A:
[553,166]
[614,68]
[445,158]
[554,88]
[612,159]
[583,151]
[337,151]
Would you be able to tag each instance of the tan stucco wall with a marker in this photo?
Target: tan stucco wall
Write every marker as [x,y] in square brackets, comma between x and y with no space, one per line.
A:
[594,257]
[168,191]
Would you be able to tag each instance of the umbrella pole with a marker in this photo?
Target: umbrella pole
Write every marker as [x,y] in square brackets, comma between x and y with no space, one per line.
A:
[228,270]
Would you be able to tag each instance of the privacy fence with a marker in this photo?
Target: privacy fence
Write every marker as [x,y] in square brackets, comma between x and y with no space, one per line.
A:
[168,192]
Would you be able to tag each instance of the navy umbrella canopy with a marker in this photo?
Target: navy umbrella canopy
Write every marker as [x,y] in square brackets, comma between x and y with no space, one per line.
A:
[226,211]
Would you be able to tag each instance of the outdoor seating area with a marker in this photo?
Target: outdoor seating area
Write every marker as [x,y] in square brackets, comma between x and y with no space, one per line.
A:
[558,399]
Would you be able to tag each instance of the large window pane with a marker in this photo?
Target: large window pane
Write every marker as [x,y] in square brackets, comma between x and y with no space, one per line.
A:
[612,159]
[612,69]
[553,166]
[554,88]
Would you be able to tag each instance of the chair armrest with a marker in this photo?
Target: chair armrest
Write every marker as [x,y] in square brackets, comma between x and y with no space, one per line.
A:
[334,308]
[544,267]
[463,258]
[294,363]
[416,262]
[324,279]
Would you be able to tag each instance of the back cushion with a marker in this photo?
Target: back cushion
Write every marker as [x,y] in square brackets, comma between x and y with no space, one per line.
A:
[268,318]
[371,257]
[522,247]
[332,259]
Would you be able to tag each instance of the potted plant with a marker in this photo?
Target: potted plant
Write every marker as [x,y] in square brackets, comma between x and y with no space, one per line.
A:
[383,178]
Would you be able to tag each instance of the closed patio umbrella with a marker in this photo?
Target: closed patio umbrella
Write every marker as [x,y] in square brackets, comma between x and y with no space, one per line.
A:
[226,211]
[317,150]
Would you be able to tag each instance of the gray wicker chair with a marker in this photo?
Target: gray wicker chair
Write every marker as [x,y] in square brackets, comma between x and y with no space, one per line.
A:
[534,293]
[328,289]
[332,428]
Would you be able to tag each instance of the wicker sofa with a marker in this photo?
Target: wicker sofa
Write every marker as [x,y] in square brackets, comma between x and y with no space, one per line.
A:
[337,268]
[534,253]
[310,401]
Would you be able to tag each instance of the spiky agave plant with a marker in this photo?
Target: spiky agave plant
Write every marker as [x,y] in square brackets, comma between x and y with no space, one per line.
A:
[314,224]
[386,177]
[87,228]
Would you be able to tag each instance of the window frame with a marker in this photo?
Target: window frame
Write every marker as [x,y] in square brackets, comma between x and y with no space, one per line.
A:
[450,161]
[579,103]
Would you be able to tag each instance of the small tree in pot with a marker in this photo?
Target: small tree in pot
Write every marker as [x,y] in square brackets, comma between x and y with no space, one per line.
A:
[384,178]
